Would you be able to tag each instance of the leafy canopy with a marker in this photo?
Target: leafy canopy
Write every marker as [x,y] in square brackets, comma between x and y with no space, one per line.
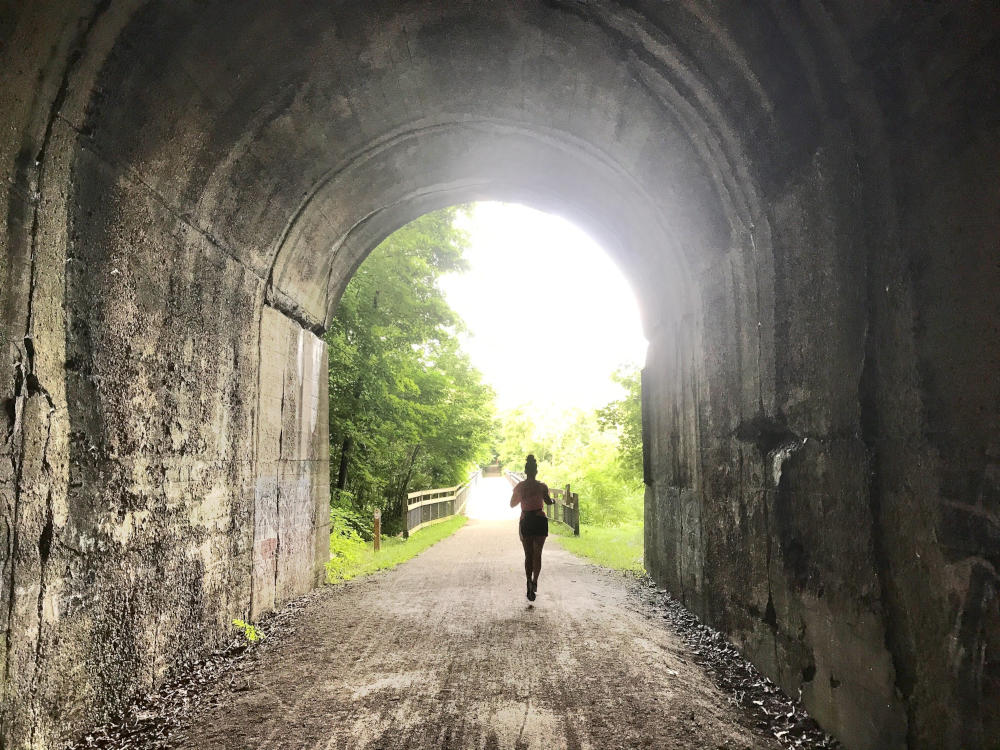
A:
[407,409]
[598,453]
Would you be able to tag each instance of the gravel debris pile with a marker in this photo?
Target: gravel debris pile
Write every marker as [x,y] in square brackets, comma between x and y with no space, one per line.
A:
[150,722]
[767,704]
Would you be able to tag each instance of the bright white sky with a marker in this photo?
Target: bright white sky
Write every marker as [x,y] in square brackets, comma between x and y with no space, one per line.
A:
[550,315]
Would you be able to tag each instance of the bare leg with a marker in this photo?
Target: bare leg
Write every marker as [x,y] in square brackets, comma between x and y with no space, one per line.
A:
[536,557]
[528,543]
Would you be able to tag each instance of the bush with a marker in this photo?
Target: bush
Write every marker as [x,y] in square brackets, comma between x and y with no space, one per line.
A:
[351,556]
[345,521]
[346,541]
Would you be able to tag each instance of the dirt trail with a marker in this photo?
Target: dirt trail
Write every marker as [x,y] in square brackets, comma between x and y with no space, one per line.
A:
[446,652]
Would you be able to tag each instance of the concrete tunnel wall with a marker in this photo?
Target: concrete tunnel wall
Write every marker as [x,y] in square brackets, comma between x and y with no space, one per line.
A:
[803,195]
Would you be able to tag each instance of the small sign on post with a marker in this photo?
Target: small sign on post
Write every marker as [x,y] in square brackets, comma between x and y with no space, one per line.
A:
[378,528]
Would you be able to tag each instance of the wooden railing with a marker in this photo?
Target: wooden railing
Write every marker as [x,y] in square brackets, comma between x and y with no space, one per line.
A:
[427,506]
[566,508]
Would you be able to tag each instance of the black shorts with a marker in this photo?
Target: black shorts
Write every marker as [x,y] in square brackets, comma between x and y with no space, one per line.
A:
[534,524]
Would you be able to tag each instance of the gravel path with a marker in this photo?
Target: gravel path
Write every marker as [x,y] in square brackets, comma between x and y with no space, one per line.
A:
[446,652]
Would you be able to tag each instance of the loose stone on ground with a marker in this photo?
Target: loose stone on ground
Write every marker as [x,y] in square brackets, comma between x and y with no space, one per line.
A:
[445,652]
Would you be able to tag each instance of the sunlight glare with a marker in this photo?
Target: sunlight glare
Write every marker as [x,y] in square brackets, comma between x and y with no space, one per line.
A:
[550,315]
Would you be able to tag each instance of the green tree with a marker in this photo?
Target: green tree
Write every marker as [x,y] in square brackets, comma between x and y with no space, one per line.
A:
[407,409]
[598,453]
[624,417]
[517,436]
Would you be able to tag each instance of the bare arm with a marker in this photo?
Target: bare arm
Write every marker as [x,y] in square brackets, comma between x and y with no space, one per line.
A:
[514,499]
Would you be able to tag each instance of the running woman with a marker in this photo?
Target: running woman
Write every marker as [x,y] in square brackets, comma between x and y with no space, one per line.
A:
[533,527]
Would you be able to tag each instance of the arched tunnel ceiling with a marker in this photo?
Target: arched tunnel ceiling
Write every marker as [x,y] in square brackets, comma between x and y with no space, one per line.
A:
[271,131]
[455,163]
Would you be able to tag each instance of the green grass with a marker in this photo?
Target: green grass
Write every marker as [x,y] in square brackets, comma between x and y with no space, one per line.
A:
[351,557]
[618,547]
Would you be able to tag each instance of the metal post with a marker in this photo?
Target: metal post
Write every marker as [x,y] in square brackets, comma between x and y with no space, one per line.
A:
[378,529]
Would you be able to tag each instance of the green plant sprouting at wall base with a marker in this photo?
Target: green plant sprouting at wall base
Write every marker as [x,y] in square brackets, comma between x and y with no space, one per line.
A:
[249,631]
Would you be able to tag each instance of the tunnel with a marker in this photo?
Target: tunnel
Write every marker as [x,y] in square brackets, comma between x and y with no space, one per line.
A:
[803,195]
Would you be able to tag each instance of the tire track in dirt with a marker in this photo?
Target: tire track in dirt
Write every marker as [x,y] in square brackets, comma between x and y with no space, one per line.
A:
[445,652]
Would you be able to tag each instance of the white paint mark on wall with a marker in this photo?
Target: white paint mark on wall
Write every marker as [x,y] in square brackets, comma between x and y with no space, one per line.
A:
[300,360]
[317,369]
[782,454]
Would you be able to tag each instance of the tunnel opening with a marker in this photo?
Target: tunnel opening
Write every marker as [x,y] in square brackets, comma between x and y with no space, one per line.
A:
[798,195]
[517,311]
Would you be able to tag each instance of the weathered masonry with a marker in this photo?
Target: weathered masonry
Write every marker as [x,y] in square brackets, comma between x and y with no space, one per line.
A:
[804,194]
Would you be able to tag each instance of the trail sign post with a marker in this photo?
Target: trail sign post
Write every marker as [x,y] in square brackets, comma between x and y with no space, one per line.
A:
[378,528]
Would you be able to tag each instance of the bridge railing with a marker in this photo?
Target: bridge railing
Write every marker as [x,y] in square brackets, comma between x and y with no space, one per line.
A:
[566,508]
[427,506]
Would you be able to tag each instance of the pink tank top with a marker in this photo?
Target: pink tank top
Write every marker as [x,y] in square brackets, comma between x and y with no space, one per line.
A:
[531,495]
